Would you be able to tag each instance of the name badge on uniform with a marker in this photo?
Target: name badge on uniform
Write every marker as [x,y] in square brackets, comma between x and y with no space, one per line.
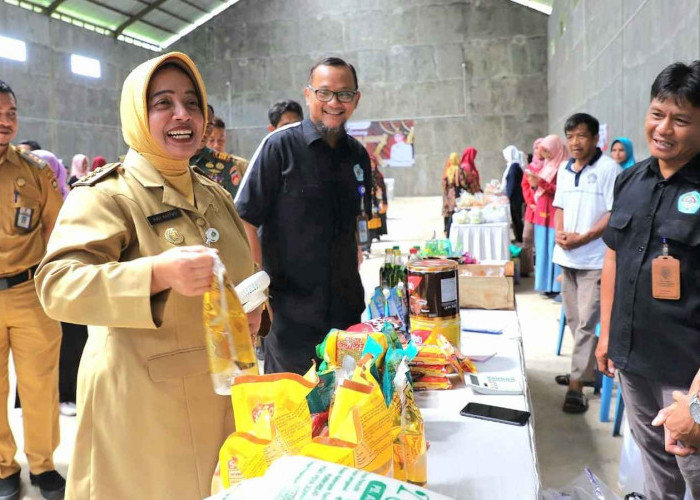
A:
[665,276]
[164,216]
[359,173]
[689,203]
[23,218]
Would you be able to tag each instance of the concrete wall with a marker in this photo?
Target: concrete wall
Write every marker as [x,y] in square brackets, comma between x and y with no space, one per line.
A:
[409,55]
[604,55]
[66,113]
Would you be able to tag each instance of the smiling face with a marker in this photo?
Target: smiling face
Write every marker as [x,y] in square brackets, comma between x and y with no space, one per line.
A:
[217,139]
[331,115]
[673,131]
[174,114]
[581,142]
[618,153]
[8,120]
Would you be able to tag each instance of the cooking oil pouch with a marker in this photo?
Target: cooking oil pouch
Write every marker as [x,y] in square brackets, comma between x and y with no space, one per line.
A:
[408,431]
[340,343]
[229,346]
[272,419]
[331,450]
[244,456]
[261,402]
[360,416]
[393,358]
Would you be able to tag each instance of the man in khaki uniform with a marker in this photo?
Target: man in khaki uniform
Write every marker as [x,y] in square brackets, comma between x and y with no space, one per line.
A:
[30,200]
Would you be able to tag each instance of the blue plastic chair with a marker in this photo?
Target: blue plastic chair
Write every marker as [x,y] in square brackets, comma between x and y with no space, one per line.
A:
[606,398]
[562,327]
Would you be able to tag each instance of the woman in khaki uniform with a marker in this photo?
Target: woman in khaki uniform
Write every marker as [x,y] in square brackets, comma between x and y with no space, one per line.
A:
[126,257]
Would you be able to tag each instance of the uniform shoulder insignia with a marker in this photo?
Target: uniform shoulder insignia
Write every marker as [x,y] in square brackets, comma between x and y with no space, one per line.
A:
[97,175]
[223,156]
[32,159]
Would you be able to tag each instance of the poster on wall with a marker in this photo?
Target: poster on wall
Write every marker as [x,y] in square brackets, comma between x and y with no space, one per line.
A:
[603,137]
[391,141]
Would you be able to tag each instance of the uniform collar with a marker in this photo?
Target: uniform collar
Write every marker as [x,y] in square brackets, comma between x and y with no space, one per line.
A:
[149,177]
[596,156]
[690,172]
[311,135]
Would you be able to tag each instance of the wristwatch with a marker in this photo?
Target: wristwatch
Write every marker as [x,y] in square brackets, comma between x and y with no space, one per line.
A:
[695,408]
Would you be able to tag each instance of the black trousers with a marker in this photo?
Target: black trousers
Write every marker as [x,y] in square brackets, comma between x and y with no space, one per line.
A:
[291,346]
[72,345]
[516,214]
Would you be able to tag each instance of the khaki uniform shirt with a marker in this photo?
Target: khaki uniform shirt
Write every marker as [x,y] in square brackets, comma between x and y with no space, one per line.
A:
[149,423]
[226,169]
[29,203]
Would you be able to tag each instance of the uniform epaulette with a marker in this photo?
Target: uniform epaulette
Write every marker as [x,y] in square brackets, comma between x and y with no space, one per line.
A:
[239,159]
[97,175]
[223,156]
[32,159]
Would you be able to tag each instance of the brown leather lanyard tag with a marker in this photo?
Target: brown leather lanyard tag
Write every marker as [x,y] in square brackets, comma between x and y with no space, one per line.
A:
[666,278]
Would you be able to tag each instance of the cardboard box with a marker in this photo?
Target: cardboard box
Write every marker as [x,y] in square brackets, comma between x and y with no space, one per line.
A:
[487,286]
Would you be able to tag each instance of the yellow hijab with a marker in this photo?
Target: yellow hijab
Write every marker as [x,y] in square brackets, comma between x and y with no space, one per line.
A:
[134,117]
[451,172]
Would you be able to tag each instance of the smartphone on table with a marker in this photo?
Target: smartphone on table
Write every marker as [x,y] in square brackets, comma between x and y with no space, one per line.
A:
[495,413]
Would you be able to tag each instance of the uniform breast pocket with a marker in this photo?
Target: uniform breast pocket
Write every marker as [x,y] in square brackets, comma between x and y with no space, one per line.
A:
[620,220]
[685,232]
[25,215]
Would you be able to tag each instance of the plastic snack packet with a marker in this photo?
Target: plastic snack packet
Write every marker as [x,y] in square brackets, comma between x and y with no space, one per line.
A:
[420,371]
[229,346]
[272,419]
[339,343]
[432,384]
[408,432]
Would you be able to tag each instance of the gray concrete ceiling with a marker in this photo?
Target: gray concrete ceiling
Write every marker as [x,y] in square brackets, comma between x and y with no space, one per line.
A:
[154,24]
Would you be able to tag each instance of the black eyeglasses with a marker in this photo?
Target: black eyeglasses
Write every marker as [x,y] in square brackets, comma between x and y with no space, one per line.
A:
[324,95]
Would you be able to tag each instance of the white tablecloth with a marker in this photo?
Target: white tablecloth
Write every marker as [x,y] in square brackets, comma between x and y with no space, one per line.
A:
[476,459]
[483,241]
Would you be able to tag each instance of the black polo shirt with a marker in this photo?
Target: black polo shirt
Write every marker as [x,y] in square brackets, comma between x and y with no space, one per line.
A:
[305,198]
[658,339]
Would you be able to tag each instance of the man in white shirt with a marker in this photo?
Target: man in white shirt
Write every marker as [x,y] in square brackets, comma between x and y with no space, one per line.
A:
[583,201]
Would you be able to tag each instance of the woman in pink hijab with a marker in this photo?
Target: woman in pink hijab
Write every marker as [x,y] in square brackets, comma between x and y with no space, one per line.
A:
[78,168]
[554,152]
[59,171]
[528,186]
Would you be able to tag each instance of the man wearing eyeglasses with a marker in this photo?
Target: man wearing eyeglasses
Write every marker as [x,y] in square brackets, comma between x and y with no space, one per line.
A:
[305,190]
